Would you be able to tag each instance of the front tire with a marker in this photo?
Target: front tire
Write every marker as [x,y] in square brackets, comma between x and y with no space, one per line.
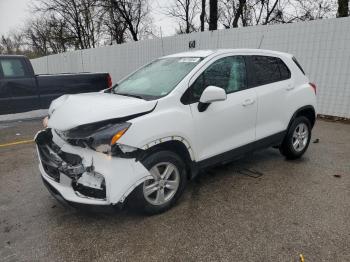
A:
[160,193]
[297,138]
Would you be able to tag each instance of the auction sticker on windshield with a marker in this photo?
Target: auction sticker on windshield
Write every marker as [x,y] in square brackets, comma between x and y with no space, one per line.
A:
[189,60]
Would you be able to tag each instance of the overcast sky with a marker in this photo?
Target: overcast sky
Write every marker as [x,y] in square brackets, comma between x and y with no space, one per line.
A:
[13,14]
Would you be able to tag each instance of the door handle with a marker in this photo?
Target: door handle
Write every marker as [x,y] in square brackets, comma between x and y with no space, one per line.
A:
[248,102]
[290,87]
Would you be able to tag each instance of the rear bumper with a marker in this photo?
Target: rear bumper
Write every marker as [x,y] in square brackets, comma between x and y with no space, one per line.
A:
[65,168]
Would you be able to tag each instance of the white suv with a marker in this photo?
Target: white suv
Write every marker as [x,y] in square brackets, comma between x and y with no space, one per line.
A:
[140,142]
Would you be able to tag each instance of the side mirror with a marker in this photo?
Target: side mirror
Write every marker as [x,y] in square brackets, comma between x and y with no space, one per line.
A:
[212,94]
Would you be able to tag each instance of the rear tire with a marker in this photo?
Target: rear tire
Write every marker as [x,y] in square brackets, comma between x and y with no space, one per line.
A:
[297,138]
[160,193]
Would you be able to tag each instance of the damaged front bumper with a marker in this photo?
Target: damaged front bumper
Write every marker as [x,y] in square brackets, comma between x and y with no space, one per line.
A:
[82,176]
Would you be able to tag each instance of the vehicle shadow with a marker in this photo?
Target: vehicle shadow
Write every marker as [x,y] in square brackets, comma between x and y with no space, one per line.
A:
[243,168]
[217,196]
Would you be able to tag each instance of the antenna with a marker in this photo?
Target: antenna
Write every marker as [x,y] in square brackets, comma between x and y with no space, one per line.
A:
[261,40]
[161,38]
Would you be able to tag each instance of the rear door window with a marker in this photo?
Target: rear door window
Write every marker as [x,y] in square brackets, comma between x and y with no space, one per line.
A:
[267,69]
[13,68]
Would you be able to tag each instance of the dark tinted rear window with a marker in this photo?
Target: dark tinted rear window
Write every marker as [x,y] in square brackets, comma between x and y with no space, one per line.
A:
[267,69]
[284,71]
[297,63]
[13,67]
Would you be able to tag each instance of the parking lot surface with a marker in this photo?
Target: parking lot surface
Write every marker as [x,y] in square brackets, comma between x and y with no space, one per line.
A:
[227,214]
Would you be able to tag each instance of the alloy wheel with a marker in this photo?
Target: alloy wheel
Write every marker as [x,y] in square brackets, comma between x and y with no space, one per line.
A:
[163,186]
[300,137]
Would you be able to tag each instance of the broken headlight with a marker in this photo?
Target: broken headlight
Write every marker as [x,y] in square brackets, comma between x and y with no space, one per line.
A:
[103,140]
[100,137]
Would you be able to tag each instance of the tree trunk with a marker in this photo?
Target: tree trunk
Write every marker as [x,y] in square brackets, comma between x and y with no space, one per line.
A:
[267,19]
[239,12]
[187,16]
[213,19]
[202,17]
[343,8]
[133,34]
[124,12]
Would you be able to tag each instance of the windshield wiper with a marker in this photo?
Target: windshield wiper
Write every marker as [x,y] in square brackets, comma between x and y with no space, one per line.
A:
[113,88]
[130,95]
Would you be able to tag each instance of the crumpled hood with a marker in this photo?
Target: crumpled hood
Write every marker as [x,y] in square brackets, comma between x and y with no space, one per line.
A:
[70,111]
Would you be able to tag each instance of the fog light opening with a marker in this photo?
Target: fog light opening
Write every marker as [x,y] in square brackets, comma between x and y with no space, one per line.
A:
[92,185]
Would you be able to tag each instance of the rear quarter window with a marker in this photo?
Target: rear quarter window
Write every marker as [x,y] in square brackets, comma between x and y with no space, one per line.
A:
[284,70]
[267,69]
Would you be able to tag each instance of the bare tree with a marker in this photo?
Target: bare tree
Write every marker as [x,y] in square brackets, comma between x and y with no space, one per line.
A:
[230,11]
[37,34]
[203,14]
[263,11]
[213,14]
[239,13]
[11,44]
[47,35]
[270,8]
[113,23]
[343,8]
[61,25]
[134,14]
[185,12]
[60,39]
[304,10]
[82,18]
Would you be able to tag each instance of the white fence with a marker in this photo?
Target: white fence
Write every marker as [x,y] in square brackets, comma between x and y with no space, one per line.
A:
[322,47]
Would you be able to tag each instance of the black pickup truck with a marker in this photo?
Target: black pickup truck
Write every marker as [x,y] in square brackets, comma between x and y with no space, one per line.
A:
[21,90]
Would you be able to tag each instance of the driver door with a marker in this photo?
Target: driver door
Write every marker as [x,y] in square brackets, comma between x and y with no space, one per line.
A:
[224,125]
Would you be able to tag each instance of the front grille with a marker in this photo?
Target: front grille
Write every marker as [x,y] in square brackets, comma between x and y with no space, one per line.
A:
[70,158]
[52,172]
[90,192]
[54,160]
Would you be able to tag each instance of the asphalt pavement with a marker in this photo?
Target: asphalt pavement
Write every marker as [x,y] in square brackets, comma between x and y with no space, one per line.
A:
[259,208]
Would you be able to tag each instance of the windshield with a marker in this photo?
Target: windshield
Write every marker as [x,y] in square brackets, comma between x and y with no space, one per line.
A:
[158,78]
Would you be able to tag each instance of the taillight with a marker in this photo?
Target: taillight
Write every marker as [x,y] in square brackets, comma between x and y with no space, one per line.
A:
[313,87]
[109,81]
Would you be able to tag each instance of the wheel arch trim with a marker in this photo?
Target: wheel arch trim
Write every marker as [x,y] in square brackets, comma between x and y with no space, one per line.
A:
[307,107]
[136,184]
[162,140]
